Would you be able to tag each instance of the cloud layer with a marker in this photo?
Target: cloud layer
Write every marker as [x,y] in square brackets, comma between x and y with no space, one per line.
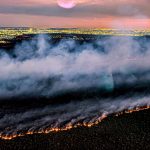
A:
[84,9]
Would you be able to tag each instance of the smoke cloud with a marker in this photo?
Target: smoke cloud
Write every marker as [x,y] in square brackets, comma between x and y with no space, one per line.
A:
[41,67]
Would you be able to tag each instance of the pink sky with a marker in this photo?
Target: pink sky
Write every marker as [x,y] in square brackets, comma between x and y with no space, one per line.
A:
[87,13]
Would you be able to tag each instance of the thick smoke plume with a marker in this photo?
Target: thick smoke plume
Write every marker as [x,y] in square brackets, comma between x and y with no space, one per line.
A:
[42,68]
[68,65]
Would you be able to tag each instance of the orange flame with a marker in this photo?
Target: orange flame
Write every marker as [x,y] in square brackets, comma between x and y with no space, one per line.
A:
[70,126]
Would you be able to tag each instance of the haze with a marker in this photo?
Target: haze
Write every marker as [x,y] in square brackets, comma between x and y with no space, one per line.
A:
[87,14]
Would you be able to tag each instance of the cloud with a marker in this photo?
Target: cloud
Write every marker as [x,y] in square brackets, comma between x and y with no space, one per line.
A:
[87,13]
[84,10]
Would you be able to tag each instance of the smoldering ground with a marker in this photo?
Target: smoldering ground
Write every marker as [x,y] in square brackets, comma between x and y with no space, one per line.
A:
[100,77]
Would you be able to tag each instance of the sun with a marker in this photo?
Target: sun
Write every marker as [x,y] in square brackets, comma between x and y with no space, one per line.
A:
[67,4]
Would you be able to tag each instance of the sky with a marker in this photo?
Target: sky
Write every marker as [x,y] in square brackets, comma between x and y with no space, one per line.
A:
[86,14]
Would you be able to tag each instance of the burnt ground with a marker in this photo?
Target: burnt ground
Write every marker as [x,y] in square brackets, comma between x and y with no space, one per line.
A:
[126,132]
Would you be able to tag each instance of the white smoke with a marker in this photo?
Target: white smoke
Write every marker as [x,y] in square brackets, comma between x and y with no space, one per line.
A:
[39,60]
[87,111]
[40,67]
